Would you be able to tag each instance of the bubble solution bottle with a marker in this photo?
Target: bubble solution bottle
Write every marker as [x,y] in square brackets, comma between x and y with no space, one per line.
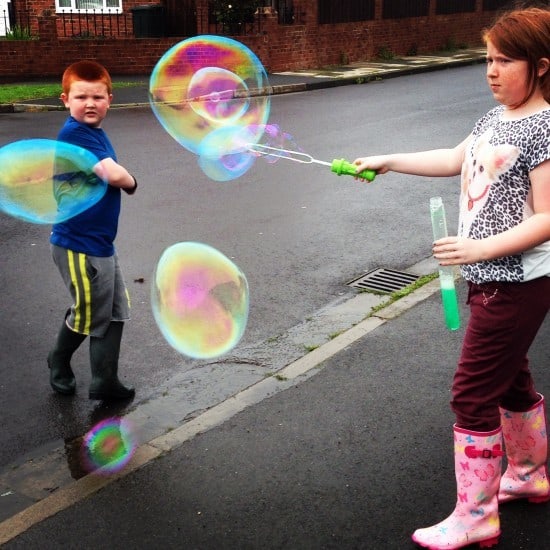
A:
[446,273]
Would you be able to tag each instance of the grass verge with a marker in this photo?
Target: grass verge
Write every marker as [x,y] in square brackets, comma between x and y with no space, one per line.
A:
[14,93]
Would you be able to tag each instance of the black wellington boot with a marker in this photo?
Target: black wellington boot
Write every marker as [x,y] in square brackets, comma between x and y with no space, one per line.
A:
[59,360]
[104,354]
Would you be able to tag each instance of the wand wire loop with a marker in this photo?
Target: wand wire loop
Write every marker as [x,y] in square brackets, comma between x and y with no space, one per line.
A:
[288,154]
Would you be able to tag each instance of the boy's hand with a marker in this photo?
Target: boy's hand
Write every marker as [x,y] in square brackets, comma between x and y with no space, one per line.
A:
[131,190]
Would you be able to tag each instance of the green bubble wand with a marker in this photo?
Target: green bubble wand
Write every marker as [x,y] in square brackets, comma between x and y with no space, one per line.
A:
[446,273]
[338,166]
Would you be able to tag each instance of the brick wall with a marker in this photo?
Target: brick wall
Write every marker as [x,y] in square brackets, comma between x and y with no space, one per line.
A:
[280,47]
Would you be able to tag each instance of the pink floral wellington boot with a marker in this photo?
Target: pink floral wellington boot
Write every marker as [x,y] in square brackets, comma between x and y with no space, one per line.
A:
[526,444]
[478,463]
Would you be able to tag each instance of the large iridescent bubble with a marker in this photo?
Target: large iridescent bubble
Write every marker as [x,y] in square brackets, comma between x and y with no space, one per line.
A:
[206,83]
[47,181]
[225,153]
[200,300]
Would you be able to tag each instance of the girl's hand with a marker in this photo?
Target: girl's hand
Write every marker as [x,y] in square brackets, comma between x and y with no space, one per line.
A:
[458,250]
[378,164]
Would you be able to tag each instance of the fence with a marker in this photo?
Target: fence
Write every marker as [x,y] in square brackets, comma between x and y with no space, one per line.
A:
[285,12]
[396,9]
[345,11]
[12,26]
[234,19]
[4,23]
[95,24]
[286,42]
[148,21]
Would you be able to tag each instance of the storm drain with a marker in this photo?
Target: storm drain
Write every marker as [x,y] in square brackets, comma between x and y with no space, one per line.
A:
[384,280]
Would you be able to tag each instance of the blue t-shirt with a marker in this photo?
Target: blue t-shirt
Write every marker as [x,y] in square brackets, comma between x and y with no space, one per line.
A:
[93,231]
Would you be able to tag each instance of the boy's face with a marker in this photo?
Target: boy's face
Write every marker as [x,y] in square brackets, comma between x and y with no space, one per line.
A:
[88,102]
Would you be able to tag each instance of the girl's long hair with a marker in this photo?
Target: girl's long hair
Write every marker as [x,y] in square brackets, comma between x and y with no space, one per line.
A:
[524,34]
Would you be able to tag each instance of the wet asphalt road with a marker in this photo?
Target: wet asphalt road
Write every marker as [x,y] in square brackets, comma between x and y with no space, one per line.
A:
[298,232]
[357,456]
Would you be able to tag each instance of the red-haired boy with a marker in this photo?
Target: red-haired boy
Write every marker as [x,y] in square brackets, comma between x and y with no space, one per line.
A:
[83,246]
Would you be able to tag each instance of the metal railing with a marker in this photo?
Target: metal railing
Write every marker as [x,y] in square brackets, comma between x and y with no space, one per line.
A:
[234,20]
[94,24]
[226,19]
[285,12]
[396,9]
[5,23]
[447,7]
[345,11]
[13,27]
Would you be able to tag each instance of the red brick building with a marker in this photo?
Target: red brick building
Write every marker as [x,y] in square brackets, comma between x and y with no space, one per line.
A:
[129,36]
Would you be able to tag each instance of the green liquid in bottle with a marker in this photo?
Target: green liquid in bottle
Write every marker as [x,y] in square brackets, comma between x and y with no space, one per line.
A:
[450,306]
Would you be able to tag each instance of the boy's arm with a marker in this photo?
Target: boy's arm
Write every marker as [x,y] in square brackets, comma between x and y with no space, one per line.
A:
[434,163]
[116,175]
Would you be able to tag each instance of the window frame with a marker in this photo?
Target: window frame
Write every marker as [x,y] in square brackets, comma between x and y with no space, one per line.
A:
[73,9]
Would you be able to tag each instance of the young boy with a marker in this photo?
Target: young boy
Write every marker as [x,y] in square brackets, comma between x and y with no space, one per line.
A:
[83,249]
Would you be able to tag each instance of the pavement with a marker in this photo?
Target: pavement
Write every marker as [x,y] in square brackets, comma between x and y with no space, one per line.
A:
[347,447]
[290,81]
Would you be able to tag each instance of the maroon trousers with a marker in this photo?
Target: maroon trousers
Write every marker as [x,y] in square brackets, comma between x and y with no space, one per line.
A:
[493,369]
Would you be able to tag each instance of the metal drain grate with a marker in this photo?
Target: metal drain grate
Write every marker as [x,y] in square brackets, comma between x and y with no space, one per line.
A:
[384,280]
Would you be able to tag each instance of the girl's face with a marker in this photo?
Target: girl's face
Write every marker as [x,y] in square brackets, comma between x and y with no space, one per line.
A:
[507,77]
[88,102]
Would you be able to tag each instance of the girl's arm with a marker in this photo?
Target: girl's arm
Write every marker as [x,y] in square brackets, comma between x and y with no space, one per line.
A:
[524,236]
[437,162]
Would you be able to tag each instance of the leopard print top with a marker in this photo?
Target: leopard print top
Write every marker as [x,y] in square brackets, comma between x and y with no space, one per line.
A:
[496,191]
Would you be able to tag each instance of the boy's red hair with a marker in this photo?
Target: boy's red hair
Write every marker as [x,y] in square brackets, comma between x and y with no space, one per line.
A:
[91,71]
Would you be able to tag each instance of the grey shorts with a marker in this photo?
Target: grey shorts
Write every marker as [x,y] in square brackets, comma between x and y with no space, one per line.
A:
[97,288]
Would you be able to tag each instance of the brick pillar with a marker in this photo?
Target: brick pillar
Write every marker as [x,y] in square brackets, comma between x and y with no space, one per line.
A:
[47,28]
[202,17]
[378,9]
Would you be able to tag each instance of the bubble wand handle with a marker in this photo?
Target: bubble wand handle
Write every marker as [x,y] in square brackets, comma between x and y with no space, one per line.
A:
[338,166]
[341,167]
[446,273]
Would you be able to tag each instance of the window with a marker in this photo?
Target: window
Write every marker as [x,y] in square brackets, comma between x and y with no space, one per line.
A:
[113,6]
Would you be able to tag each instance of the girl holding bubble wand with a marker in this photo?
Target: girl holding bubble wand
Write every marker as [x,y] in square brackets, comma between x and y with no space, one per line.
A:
[503,250]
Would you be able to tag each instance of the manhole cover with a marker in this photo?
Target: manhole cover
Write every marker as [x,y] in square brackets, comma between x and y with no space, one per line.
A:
[384,280]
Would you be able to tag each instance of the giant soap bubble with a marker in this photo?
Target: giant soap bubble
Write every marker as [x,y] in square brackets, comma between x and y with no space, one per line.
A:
[47,181]
[207,83]
[225,154]
[199,299]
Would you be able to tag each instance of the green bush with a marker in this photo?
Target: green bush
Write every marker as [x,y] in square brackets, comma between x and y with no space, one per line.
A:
[232,14]
[17,32]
